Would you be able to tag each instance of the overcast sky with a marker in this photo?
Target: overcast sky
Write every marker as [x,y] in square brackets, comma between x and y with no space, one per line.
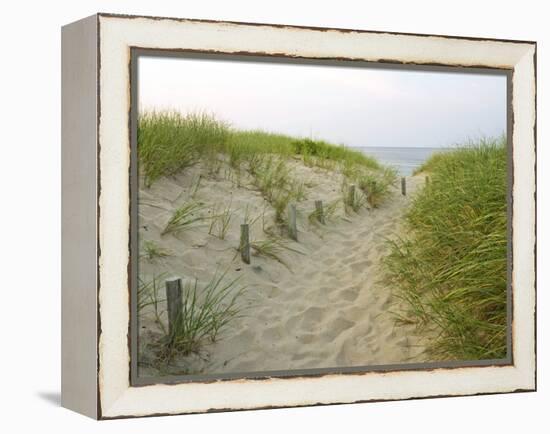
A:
[352,106]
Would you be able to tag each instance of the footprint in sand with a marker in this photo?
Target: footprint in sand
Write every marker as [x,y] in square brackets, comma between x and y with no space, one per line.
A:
[341,255]
[359,346]
[292,322]
[347,352]
[403,342]
[311,317]
[336,328]
[369,330]
[349,294]
[333,261]
[385,301]
[311,274]
[365,234]
[391,227]
[360,266]
[355,314]
[318,294]
[307,338]
[273,334]
[303,355]
[351,243]
[272,292]
[324,291]
[390,335]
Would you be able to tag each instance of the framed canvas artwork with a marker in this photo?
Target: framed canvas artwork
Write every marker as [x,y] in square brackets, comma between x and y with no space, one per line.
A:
[262,216]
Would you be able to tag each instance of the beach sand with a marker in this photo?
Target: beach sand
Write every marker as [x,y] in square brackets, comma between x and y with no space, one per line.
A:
[327,308]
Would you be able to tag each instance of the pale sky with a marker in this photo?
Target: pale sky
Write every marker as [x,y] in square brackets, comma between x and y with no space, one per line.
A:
[354,106]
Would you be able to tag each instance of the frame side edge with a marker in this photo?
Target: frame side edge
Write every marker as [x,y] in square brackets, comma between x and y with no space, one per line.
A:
[78,213]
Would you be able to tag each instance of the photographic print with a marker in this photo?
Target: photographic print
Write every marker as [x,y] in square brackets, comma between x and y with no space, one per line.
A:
[300,217]
[262,216]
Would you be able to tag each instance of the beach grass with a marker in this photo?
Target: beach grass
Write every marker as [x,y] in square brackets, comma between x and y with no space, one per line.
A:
[451,267]
[153,251]
[352,198]
[273,178]
[185,217]
[329,213]
[206,311]
[220,220]
[376,185]
[169,141]
[322,151]
[149,296]
[267,164]
[272,248]
[246,146]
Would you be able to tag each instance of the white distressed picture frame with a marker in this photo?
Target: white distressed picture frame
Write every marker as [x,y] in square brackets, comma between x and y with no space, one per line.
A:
[96,137]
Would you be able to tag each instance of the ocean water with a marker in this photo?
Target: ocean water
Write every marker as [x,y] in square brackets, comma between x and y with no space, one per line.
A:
[405,160]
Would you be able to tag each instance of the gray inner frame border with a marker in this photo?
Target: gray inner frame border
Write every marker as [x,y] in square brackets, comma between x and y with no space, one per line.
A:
[133,266]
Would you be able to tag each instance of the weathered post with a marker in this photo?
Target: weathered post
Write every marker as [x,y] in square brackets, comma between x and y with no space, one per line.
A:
[292,229]
[319,211]
[427,180]
[245,244]
[174,301]
[351,195]
[403,186]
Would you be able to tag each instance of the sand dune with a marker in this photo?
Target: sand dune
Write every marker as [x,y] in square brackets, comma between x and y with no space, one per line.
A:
[325,308]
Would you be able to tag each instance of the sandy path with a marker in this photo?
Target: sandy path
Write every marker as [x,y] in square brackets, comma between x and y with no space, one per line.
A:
[328,310]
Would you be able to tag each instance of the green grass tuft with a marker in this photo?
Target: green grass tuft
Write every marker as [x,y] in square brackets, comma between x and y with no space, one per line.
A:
[272,248]
[220,220]
[169,141]
[353,199]
[185,217]
[376,185]
[451,267]
[329,213]
[322,151]
[148,296]
[274,180]
[206,311]
[152,251]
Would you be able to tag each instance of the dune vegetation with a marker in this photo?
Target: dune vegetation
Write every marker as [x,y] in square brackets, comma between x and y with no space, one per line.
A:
[206,310]
[450,268]
[168,142]
[262,174]
[447,264]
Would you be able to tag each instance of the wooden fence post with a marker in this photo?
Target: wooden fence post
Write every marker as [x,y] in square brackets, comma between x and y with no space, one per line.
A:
[245,244]
[351,195]
[174,301]
[427,180]
[403,186]
[319,211]
[292,229]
